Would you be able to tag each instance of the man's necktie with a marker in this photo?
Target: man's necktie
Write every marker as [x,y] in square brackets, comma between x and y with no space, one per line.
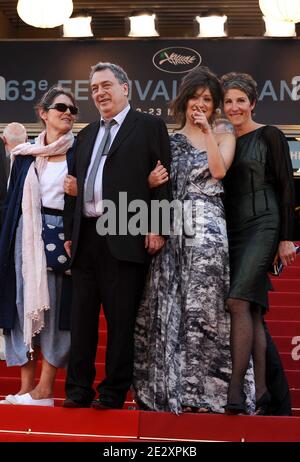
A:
[102,151]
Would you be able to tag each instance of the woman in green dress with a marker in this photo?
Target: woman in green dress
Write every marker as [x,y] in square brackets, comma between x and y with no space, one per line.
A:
[259,211]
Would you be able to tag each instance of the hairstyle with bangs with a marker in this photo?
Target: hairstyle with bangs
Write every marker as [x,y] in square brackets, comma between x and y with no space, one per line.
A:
[201,77]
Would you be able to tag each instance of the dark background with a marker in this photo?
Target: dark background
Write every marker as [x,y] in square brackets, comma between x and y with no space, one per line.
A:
[274,60]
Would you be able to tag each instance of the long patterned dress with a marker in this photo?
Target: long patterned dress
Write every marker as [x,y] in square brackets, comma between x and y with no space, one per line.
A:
[182,352]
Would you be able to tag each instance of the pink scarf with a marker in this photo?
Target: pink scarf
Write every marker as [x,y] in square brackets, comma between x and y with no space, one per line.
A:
[34,268]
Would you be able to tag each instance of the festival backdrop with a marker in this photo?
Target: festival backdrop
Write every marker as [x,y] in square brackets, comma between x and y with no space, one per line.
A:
[155,68]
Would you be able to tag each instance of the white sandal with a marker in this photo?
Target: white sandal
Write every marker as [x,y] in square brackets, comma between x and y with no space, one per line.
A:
[27,400]
[9,399]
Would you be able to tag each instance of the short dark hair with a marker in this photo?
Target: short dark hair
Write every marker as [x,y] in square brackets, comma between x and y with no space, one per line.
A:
[201,77]
[240,81]
[48,98]
[118,71]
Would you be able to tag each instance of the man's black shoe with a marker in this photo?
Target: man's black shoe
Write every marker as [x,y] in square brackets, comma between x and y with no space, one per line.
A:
[100,404]
[69,403]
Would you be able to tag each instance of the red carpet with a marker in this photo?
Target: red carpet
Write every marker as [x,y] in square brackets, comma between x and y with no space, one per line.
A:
[24,423]
[47,424]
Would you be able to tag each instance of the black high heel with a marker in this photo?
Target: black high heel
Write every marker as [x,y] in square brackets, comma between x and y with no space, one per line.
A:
[232,408]
[263,404]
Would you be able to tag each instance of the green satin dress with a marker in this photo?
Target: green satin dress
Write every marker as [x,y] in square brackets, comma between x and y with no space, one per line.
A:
[259,210]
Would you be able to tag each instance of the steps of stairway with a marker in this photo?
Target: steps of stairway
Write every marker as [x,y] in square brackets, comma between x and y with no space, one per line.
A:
[289,361]
[58,402]
[52,435]
[11,385]
[292,271]
[32,437]
[70,422]
[61,373]
[130,404]
[295,397]
[284,324]
[286,285]
[19,422]
[284,298]
[293,377]
[283,313]
[283,343]
[286,328]
[100,356]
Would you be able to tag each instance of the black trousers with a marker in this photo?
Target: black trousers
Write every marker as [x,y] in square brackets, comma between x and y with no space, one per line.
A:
[276,380]
[98,278]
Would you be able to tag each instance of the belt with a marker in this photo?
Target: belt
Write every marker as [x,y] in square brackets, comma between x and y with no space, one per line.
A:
[55,212]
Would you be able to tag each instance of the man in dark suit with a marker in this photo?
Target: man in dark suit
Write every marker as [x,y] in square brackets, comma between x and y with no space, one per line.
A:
[114,155]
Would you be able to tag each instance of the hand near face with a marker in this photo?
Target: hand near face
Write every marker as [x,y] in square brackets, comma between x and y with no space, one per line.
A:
[199,118]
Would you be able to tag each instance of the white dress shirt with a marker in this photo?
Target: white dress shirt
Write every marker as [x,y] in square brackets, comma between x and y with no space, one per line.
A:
[94,208]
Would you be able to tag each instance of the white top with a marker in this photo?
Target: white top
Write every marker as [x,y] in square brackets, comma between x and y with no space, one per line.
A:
[52,184]
[94,208]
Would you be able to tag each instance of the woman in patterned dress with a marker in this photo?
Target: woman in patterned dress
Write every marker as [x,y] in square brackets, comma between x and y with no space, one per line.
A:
[182,354]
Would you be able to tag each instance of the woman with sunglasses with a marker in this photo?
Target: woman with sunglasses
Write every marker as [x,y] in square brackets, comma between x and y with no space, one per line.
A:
[34,301]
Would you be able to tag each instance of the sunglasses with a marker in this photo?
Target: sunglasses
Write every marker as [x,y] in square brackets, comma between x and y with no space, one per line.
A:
[62,107]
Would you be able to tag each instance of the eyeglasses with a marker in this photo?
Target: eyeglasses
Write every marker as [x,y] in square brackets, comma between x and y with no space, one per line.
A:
[62,107]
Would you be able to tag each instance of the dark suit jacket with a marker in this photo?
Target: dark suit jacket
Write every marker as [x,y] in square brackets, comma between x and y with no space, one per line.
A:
[141,140]
[4,171]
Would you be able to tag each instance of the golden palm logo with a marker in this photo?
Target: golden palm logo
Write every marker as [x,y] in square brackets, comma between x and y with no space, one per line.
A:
[176,60]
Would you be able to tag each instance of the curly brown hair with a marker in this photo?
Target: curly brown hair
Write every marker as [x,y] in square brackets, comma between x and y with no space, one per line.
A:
[201,77]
